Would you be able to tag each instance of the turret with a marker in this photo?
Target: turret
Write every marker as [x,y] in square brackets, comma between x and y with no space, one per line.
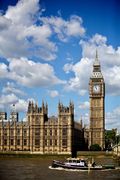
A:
[81,122]
[29,107]
[46,109]
[66,109]
[36,107]
[3,116]
[14,114]
[33,108]
[71,107]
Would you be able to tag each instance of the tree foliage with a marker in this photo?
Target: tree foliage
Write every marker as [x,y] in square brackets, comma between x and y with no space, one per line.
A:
[110,138]
[95,147]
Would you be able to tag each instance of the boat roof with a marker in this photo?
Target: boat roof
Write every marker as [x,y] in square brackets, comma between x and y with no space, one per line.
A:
[76,159]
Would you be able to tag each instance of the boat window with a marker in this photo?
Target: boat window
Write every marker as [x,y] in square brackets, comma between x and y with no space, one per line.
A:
[74,161]
[78,161]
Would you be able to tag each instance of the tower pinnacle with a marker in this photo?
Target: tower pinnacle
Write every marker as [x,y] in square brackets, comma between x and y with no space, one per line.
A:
[96,68]
[96,54]
[96,62]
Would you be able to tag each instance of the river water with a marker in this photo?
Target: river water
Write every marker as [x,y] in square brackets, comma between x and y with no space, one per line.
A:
[38,169]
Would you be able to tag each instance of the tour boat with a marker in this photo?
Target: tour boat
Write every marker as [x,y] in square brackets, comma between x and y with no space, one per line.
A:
[80,164]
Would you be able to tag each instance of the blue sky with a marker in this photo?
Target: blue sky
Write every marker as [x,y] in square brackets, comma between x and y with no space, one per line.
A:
[47,49]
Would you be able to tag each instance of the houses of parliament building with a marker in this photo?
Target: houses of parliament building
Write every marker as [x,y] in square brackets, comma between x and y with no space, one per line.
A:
[41,134]
[56,135]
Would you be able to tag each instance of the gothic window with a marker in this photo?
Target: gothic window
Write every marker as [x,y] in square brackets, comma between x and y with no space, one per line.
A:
[45,132]
[37,142]
[5,142]
[64,142]
[5,132]
[98,134]
[28,118]
[24,132]
[18,142]
[25,142]
[37,132]
[45,142]
[50,132]
[37,121]
[11,132]
[64,132]
[12,142]
[18,132]
[94,135]
[55,132]
[55,142]
[50,142]
[64,119]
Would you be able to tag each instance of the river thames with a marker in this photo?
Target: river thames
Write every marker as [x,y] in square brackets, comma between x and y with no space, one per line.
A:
[38,169]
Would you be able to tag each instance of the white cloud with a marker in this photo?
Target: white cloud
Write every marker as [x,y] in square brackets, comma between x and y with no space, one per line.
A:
[3,70]
[21,105]
[4,23]
[31,74]
[109,59]
[84,105]
[112,118]
[65,29]
[25,32]
[74,26]
[98,39]
[24,12]
[20,36]
[81,72]
[110,66]
[40,41]
[8,99]
[107,54]
[53,93]
[68,67]
[11,88]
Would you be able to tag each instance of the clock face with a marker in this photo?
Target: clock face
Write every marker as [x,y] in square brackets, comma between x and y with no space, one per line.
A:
[96,88]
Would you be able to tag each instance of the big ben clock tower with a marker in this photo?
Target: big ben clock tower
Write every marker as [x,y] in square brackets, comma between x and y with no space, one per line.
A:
[97,107]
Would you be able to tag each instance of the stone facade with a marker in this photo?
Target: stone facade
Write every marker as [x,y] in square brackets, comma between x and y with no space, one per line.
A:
[54,135]
[97,107]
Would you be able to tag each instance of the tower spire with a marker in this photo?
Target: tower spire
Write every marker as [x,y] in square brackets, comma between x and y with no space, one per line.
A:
[96,68]
[96,62]
[96,55]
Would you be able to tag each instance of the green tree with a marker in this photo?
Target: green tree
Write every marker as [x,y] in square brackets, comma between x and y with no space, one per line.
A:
[110,138]
[95,147]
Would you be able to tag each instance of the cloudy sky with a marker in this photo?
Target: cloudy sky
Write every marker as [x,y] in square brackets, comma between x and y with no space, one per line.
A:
[47,49]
